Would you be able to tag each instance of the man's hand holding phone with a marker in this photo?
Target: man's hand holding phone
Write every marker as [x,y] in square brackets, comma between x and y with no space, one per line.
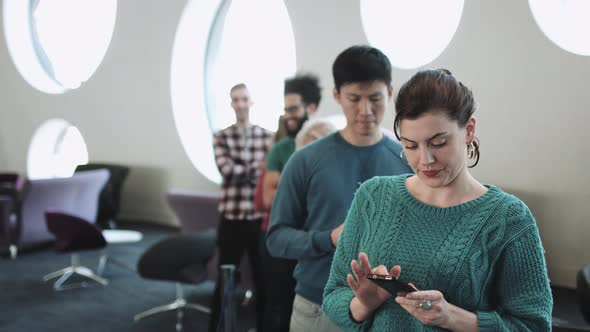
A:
[368,295]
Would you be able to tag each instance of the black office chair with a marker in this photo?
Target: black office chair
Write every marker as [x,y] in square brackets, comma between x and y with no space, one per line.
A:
[110,197]
[181,259]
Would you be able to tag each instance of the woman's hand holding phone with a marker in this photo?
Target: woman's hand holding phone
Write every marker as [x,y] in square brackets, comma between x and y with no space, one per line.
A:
[368,295]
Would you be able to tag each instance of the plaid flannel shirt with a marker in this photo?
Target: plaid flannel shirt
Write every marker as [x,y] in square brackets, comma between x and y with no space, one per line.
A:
[239,154]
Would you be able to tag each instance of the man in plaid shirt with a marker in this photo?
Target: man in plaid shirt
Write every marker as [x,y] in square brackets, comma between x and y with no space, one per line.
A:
[239,152]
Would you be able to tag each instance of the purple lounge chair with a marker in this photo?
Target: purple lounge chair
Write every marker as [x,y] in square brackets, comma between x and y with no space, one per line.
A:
[76,195]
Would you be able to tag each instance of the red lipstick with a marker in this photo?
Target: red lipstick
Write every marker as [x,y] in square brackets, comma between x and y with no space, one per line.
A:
[430,174]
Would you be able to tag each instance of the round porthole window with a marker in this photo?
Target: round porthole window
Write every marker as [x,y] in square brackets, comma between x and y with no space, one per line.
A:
[218,44]
[565,22]
[411,33]
[56,45]
[56,149]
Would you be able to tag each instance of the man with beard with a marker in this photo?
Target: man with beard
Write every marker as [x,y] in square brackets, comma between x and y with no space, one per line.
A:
[239,150]
[302,97]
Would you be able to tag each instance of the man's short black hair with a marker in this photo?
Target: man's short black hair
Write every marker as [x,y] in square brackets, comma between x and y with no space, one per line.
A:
[361,63]
[306,85]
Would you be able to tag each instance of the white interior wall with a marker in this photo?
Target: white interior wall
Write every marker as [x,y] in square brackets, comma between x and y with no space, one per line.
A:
[533,114]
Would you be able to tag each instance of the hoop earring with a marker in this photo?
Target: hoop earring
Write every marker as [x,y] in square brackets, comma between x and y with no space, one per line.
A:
[470,151]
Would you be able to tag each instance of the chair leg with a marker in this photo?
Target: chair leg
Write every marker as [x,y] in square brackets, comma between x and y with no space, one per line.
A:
[13,251]
[55,274]
[69,271]
[102,262]
[198,307]
[176,305]
[186,305]
[86,272]
[156,310]
[59,283]
[179,304]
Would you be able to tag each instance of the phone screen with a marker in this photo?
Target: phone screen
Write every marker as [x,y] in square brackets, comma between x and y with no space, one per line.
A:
[391,284]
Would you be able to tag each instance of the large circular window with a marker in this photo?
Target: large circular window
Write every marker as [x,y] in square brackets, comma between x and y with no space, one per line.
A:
[219,44]
[565,22]
[56,149]
[411,33]
[57,45]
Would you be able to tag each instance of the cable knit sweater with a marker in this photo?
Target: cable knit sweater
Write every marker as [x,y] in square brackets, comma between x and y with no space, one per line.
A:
[485,256]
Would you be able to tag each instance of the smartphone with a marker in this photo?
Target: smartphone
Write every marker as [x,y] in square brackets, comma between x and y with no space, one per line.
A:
[391,284]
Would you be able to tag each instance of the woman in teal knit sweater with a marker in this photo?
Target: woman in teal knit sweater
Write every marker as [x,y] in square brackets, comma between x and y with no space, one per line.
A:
[472,250]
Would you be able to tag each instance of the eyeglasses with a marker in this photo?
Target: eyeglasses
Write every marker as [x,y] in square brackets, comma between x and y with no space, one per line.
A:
[294,108]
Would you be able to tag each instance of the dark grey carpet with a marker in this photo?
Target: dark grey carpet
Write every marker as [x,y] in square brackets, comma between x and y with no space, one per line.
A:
[29,304]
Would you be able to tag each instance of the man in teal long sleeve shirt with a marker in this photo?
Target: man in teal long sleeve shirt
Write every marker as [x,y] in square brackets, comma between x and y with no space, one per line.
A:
[319,181]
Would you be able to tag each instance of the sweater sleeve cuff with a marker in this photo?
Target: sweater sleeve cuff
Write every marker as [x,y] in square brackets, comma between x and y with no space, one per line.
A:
[487,320]
[321,240]
[338,310]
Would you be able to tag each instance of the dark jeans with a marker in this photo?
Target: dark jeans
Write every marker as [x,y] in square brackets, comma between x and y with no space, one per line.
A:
[280,289]
[234,238]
